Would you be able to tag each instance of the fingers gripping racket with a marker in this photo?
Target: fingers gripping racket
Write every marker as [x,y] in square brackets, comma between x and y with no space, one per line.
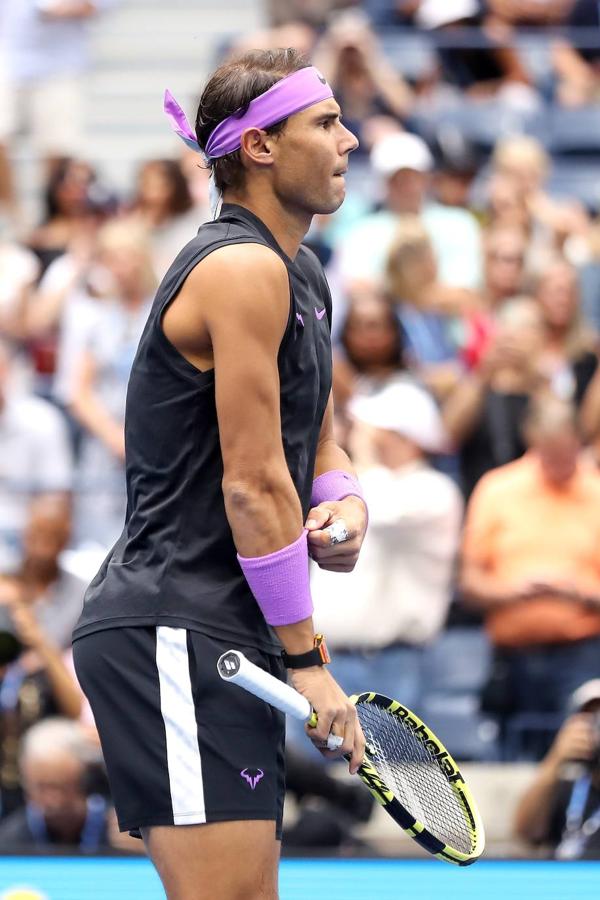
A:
[406,768]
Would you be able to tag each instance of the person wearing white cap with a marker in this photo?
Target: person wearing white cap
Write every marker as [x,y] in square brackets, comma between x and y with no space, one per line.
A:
[561,807]
[404,164]
[396,599]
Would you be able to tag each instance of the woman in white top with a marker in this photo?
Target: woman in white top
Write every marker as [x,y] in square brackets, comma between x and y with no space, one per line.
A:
[100,382]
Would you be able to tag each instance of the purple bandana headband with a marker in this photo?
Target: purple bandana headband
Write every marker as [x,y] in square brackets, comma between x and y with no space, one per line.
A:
[288,96]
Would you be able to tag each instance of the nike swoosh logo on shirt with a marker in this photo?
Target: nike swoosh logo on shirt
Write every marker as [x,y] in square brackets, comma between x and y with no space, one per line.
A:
[319,313]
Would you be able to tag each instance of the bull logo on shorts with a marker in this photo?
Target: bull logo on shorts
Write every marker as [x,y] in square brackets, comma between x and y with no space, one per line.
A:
[252,779]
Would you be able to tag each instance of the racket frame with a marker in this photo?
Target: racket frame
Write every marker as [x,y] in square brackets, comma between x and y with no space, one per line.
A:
[448,767]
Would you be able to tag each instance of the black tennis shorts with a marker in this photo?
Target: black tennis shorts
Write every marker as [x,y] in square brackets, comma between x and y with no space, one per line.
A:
[181,746]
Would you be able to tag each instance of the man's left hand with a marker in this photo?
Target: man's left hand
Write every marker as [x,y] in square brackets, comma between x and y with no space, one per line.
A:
[336,557]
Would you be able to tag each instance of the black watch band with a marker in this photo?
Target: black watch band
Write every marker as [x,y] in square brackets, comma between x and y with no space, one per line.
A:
[318,656]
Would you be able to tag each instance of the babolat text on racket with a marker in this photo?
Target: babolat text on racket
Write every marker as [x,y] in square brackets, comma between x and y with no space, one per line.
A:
[406,767]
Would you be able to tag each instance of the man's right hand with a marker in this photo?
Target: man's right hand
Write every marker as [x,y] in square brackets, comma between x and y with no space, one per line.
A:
[335,713]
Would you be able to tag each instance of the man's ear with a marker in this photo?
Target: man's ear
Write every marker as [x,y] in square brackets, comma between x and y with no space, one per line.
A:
[256,147]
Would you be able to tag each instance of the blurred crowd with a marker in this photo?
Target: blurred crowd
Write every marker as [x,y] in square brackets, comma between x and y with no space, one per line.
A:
[466,295]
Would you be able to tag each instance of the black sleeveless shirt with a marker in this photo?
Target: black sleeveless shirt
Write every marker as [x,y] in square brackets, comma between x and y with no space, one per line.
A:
[175,562]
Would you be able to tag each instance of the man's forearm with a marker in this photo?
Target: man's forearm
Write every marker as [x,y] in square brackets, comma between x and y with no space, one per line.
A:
[330,456]
[263,510]
[265,517]
[482,590]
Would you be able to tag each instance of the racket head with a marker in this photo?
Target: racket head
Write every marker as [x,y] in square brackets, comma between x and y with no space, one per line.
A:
[411,774]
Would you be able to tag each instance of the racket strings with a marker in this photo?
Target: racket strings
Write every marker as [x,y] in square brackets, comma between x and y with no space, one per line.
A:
[413,775]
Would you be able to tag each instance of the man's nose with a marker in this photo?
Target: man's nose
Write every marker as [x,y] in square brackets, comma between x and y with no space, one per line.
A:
[350,141]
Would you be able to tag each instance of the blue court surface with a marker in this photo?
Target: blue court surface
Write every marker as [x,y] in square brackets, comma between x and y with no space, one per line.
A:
[27,878]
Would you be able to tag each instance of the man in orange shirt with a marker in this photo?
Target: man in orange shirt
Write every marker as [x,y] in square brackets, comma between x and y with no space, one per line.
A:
[531,564]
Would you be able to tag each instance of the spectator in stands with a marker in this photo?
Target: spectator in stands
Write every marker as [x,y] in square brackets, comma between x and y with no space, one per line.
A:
[530,564]
[35,456]
[491,69]
[20,271]
[296,33]
[65,304]
[34,682]
[553,224]
[163,205]
[102,373]
[54,595]
[315,12]
[69,207]
[404,163]
[576,67]
[529,12]
[58,811]
[432,314]
[484,414]
[560,808]
[570,356]
[364,82]
[371,347]
[395,601]
[504,273]
[456,166]
[47,52]
[504,278]
[505,205]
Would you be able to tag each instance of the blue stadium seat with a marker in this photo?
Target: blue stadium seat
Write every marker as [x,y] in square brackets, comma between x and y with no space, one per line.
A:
[467,733]
[411,52]
[458,662]
[574,130]
[576,178]
[456,668]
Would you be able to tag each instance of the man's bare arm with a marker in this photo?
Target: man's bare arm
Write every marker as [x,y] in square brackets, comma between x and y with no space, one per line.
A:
[340,557]
[239,297]
[329,453]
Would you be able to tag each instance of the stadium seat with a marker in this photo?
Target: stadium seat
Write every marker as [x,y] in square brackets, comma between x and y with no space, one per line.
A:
[457,666]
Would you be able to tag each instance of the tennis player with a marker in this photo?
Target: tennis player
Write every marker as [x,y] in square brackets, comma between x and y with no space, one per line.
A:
[233,479]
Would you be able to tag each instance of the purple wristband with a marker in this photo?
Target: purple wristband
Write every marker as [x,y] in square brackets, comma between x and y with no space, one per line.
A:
[335,485]
[280,582]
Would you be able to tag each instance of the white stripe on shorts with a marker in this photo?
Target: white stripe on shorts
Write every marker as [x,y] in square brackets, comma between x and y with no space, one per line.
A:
[177,708]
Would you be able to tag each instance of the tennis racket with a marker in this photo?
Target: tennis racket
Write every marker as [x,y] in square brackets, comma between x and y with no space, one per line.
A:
[406,768]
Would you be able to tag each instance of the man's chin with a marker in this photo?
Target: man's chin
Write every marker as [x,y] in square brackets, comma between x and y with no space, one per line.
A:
[327,209]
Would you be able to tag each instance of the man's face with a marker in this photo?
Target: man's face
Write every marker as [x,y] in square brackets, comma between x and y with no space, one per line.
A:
[558,457]
[311,156]
[46,536]
[54,785]
[504,263]
[406,191]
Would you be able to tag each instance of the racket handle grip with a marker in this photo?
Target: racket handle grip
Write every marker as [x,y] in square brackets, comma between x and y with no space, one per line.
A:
[233,666]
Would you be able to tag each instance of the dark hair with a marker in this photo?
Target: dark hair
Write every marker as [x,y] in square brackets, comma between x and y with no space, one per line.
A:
[397,356]
[230,89]
[180,200]
[60,173]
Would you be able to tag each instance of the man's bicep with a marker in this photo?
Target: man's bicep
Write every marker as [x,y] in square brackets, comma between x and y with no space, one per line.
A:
[247,398]
[246,325]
